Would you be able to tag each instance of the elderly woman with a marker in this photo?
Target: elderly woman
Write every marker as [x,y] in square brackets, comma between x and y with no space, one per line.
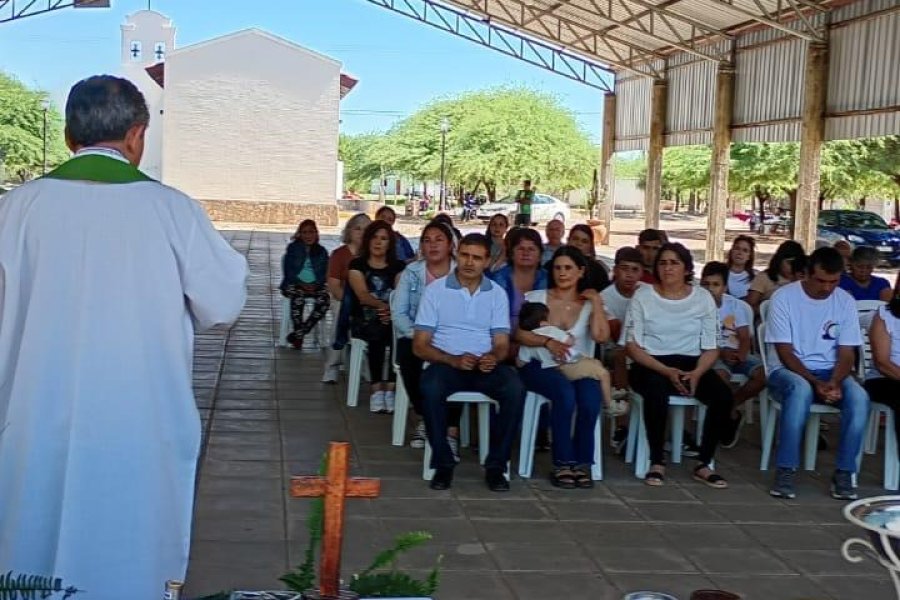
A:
[883,378]
[671,333]
[582,237]
[436,246]
[779,272]
[305,265]
[522,272]
[405,251]
[579,311]
[496,232]
[373,275]
[338,271]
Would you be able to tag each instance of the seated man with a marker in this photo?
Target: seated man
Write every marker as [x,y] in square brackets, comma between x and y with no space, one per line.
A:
[649,243]
[814,328]
[859,281]
[462,329]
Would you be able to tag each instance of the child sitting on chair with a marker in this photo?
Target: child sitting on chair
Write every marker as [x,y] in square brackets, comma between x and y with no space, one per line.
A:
[533,317]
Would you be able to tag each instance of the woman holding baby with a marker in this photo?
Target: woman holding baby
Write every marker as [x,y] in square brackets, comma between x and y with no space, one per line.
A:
[579,314]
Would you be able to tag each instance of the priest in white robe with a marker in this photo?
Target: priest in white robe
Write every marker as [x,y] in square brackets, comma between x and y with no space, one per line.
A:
[105,275]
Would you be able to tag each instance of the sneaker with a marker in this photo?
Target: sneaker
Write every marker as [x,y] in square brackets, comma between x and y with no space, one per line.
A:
[418,436]
[688,448]
[618,406]
[389,402]
[295,340]
[842,487]
[495,480]
[731,437]
[454,446]
[330,375]
[783,487]
[376,402]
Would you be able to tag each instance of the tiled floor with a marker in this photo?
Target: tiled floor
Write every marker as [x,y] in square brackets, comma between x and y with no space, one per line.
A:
[267,417]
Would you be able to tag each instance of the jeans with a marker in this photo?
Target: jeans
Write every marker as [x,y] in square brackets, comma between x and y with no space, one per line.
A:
[797,395]
[656,388]
[580,399]
[411,372]
[439,381]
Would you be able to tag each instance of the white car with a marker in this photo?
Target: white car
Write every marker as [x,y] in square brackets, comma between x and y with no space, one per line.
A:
[544,208]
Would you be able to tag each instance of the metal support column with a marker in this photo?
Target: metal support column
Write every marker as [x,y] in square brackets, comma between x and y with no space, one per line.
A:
[814,90]
[658,100]
[721,154]
[607,170]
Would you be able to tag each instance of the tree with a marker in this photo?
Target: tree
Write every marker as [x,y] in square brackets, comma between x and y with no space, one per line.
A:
[497,138]
[22,130]
[764,171]
[361,164]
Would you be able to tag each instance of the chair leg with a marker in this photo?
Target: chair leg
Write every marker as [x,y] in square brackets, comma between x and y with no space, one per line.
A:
[484,430]
[701,421]
[465,427]
[871,445]
[427,471]
[597,467]
[635,415]
[529,434]
[676,419]
[286,325]
[401,413]
[811,443]
[748,411]
[891,462]
[357,352]
[768,437]
[642,450]
[763,413]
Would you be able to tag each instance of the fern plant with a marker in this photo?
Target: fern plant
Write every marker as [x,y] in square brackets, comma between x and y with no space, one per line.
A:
[393,583]
[304,576]
[28,587]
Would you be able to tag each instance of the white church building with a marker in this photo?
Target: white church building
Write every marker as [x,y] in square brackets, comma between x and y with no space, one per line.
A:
[246,123]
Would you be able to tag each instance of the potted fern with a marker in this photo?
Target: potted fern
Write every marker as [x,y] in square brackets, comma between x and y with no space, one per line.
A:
[19,586]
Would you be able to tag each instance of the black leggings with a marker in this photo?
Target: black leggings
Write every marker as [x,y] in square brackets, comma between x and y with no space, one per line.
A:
[886,391]
[298,295]
[411,372]
[656,389]
[380,368]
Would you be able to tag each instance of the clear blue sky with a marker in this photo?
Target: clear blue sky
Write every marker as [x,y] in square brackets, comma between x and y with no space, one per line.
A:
[401,64]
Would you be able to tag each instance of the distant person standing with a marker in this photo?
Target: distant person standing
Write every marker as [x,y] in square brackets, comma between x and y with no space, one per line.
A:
[99,442]
[524,198]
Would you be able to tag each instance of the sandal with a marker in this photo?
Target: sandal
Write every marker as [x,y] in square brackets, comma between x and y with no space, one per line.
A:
[655,479]
[563,477]
[712,479]
[583,478]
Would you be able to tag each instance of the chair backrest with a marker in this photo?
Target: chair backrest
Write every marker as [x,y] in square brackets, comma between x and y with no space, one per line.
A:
[763,347]
[748,314]
[864,356]
[867,310]
[764,310]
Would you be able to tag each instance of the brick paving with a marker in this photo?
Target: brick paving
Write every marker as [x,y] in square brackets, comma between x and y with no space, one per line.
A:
[266,417]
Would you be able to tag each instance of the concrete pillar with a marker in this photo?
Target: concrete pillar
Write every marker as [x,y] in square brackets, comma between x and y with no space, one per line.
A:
[721,154]
[815,87]
[607,172]
[658,99]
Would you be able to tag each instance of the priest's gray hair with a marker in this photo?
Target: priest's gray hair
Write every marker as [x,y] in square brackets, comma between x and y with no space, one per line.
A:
[103,108]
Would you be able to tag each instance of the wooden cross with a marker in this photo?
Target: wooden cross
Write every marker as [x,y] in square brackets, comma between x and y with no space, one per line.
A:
[335,487]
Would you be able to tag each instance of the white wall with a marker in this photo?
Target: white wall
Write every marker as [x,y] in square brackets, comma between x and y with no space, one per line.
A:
[251,117]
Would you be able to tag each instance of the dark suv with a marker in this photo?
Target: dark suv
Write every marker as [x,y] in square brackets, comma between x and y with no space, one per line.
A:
[863,228]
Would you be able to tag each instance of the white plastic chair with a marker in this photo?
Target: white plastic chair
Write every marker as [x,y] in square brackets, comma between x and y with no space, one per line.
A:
[401,400]
[287,325]
[638,447]
[531,414]
[813,422]
[891,480]
[484,404]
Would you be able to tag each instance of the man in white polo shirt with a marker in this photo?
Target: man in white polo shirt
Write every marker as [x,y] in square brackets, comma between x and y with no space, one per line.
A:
[462,330]
[814,328]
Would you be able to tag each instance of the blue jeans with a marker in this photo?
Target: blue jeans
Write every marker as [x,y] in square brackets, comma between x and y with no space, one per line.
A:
[797,395]
[440,381]
[566,397]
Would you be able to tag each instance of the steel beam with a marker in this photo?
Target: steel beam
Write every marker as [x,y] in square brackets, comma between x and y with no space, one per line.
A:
[766,20]
[12,10]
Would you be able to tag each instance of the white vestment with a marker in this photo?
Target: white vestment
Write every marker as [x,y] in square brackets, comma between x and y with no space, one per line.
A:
[102,286]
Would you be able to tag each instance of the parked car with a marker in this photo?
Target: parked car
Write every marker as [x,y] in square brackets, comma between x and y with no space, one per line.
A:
[544,208]
[862,228]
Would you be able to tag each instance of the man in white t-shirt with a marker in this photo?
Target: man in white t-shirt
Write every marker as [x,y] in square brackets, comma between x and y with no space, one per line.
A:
[627,272]
[813,330]
[462,329]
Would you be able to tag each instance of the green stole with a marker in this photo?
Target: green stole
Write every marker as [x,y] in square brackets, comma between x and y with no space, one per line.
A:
[98,168]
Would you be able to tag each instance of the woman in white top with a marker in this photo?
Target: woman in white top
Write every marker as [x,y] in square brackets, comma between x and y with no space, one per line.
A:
[740,266]
[580,312]
[671,335]
[883,379]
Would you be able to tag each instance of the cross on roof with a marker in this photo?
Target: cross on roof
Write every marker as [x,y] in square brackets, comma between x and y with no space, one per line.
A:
[334,487]
[160,51]
[135,49]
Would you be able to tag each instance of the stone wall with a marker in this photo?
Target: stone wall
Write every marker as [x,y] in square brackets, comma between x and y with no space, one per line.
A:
[273,213]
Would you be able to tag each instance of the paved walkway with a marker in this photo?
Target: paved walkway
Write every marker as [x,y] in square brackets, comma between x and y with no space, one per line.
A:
[268,417]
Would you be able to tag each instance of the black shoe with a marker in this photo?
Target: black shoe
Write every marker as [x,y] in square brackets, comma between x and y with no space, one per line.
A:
[442,479]
[495,480]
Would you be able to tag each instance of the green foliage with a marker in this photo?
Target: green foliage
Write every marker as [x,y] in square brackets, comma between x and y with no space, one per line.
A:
[394,584]
[304,576]
[496,138]
[26,587]
[22,130]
